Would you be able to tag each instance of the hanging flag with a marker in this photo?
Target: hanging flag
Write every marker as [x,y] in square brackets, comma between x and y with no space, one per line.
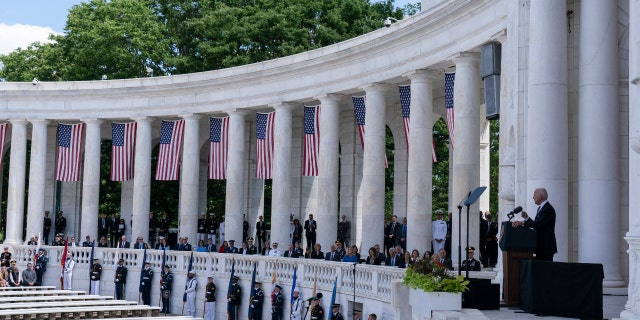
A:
[449,80]
[315,283]
[405,104]
[311,141]
[171,135]
[93,248]
[69,151]
[293,286]
[233,268]
[360,110]
[264,144]
[333,296]
[3,136]
[218,147]
[144,261]
[253,290]
[123,144]
[186,284]
[63,260]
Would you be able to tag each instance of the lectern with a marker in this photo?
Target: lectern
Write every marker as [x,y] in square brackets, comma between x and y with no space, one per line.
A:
[516,244]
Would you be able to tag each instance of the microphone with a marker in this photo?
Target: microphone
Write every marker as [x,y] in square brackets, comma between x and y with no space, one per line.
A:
[513,212]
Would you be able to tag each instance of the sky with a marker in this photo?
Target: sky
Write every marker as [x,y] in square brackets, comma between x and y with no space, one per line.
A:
[23,22]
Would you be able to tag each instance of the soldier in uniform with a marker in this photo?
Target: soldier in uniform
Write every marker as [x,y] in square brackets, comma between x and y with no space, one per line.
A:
[210,222]
[296,306]
[251,249]
[231,248]
[60,223]
[96,271]
[41,266]
[233,299]
[276,303]
[317,313]
[162,245]
[163,225]
[335,313]
[190,292]
[202,227]
[152,229]
[165,289]
[120,280]
[256,302]
[47,227]
[145,285]
[470,264]
[210,299]
[5,258]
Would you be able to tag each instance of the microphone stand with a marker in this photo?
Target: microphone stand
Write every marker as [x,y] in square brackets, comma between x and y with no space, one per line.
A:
[353,306]
[460,239]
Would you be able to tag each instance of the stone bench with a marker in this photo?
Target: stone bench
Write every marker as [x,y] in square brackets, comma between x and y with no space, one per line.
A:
[8,293]
[100,312]
[61,299]
[74,303]
[21,288]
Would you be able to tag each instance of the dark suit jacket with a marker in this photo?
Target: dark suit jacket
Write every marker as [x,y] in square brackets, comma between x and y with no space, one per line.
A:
[336,256]
[447,264]
[544,224]
[399,261]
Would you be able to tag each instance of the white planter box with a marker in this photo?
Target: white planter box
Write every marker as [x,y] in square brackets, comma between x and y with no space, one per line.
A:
[422,303]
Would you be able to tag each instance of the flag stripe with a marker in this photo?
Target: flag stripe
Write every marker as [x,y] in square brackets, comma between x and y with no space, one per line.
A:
[360,110]
[264,144]
[3,136]
[171,135]
[405,104]
[69,151]
[218,147]
[449,80]
[123,139]
[311,141]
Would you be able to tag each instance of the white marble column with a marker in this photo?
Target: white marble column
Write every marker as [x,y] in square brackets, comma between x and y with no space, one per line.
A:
[17,176]
[420,166]
[281,188]
[189,180]
[37,177]
[373,169]
[632,307]
[598,139]
[91,180]
[466,149]
[485,166]
[142,179]
[236,183]
[328,161]
[547,119]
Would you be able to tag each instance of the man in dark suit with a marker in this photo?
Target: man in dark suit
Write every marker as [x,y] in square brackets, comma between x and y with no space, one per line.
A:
[544,224]
[261,233]
[103,226]
[446,261]
[489,233]
[394,259]
[310,228]
[332,255]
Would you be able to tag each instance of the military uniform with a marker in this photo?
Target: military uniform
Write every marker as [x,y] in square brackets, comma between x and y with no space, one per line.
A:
[210,301]
[470,264]
[41,267]
[120,280]
[5,259]
[233,299]
[256,304]
[317,313]
[276,306]
[96,271]
[202,228]
[145,285]
[47,229]
[165,289]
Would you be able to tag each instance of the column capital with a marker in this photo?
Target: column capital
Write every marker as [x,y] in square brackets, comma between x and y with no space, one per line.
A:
[92,122]
[143,120]
[18,122]
[191,116]
[500,36]
[286,106]
[376,88]
[40,122]
[329,98]
[423,75]
[466,58]
[239,112]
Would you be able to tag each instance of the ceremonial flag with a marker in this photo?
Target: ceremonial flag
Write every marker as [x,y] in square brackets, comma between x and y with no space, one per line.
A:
[93,248]
[449,80]
[405,104]
[253,290]
[164,261]
[333,296]
[144,261]
[186,284]
[233,268]
[171,136]
[218,147]
[123,144]
[311,141]
[293,285]
[264,144]
[315,283]
[69,151]
[360,110]
[63,260]
[37,253]
[3,136]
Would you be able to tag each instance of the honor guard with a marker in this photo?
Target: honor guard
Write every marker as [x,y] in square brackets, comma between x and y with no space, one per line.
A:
[233,299]
[296,306]
[210,299]
[276,303]
[335,313]
[256,302]
[96,271]
[190,291]
[145,285]
[120,280]
[41,266]
[317,313]
[165,289]
[470,264]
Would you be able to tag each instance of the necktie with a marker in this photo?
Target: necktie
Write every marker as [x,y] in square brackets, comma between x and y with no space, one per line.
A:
[393,261]
[332,255]
[538,209]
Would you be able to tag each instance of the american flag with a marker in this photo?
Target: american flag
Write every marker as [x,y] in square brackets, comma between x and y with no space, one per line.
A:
[218,147]
[405,103]
[171,136]
[264,144]
[123,137]
[3,135]
[311,141]
[449,79]
[69,151]
[360,110]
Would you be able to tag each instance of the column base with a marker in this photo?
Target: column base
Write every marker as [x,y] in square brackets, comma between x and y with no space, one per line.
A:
[632,307]
[11,241]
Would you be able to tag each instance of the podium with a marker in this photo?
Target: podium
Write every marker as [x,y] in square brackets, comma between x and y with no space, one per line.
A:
[516,244]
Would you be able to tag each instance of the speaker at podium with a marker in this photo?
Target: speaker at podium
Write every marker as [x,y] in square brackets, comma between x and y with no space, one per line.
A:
[516,244]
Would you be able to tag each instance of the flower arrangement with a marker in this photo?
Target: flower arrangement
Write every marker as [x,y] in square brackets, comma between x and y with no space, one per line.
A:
[429,277]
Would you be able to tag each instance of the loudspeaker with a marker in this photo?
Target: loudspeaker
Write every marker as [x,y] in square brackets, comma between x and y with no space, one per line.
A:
[490,56]
[492,97]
